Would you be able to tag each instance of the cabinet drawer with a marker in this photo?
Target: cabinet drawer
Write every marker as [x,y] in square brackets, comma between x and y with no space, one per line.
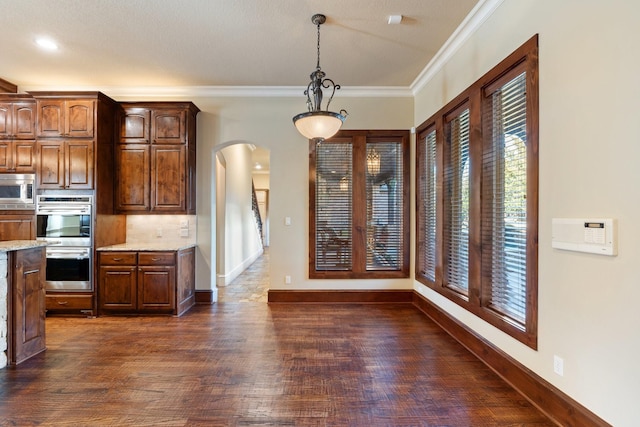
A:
[69,302]
[156,258]
[118,258]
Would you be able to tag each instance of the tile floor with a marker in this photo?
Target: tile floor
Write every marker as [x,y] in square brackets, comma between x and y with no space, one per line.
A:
[251,286]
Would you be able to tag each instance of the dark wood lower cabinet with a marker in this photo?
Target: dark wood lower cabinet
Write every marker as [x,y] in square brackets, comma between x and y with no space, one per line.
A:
[27,306]
[160,282]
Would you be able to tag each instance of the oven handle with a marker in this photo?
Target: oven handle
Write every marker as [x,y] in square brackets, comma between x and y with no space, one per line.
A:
[68,254]
[63,210]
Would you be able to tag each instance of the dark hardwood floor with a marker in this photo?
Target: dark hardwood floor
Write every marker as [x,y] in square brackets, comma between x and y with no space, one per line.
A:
[239,364]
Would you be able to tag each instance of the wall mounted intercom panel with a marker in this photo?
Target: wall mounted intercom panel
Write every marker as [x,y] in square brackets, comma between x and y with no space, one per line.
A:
[591,235]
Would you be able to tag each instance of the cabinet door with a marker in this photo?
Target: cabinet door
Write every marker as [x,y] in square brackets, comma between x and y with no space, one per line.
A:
[79,118]
[135,126]
[117,288]
[156,288]
[17,156]
[17,227]
[50,173]
[71,118]
[24,120]
[6,158]
[168,176]
[24,156]
[28,304]
[5,119]
[79,164]
[133,168]
[169,126]
[50,117]
[17,120]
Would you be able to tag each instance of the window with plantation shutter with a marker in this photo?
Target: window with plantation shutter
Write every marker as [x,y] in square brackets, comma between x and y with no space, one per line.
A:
[359,210]
[426,236]
[456,208]
[477,197]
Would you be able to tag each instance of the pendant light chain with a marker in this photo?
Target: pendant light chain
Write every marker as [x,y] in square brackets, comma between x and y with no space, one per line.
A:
[318,64]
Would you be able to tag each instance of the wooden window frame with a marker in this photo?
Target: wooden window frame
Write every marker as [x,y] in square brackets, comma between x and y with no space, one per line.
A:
[359,139]
[524,58]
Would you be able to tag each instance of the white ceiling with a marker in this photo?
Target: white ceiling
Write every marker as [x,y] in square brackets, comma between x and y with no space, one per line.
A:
[137,43]
[107,44]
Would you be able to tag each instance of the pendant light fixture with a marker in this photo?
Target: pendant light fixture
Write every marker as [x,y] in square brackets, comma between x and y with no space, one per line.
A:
[318,123]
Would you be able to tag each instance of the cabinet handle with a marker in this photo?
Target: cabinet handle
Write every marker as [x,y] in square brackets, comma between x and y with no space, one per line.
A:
[62,302]
[155,259]
[117,259]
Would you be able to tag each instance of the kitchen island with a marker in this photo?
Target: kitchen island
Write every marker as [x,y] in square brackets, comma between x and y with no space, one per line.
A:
[22,300]
[146,278]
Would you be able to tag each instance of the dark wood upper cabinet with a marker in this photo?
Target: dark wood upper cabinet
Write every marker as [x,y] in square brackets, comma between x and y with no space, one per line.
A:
[169,126]
[133,169]
[155,158]
[17,156]
[135,126]
[71,118]
[17,133]
[17,117]
[65,164]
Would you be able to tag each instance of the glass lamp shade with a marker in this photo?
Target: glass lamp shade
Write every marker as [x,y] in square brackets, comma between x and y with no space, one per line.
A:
[318,124]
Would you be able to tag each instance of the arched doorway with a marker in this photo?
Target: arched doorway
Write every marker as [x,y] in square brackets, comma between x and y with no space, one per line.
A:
[240,221]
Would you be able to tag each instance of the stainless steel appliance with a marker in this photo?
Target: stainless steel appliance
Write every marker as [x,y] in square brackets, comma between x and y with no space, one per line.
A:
[65,221]
[16,191]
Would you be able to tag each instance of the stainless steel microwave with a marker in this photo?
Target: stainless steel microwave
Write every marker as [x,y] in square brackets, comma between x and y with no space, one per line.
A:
[16,191]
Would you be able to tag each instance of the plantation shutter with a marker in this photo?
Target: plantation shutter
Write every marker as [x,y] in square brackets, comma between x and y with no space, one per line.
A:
[385,205]
[456,211]
[504,210]
[333,198]
[427,206]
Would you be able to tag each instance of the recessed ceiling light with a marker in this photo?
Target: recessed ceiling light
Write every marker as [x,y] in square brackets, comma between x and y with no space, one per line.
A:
[47,44]
[394,19]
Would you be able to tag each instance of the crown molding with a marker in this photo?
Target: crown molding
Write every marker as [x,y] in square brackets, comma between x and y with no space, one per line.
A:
[228,91]
[478,15]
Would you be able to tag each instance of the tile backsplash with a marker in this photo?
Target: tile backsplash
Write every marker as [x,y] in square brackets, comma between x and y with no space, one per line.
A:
[167,228]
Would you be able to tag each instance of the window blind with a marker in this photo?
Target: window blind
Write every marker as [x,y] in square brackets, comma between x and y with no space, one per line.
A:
[504,210]
[385,206]
[333,206]
[427,206]
[456,210]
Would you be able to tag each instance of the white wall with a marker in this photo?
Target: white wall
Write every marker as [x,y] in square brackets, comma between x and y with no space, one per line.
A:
[242,243]
[266,122]
[589,151]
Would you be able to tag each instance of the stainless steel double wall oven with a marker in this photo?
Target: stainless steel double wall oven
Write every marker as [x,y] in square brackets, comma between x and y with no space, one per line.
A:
[65,220]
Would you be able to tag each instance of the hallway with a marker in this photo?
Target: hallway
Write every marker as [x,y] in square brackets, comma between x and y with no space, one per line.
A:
[251,286]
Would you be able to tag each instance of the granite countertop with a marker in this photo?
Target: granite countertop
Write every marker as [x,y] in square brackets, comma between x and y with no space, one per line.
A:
[16,245]
[148,246]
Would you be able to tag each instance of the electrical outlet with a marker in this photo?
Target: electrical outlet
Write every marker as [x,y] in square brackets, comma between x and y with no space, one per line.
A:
[158,232]
[558,365]
[287,280]
[184,223]
[184,232]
